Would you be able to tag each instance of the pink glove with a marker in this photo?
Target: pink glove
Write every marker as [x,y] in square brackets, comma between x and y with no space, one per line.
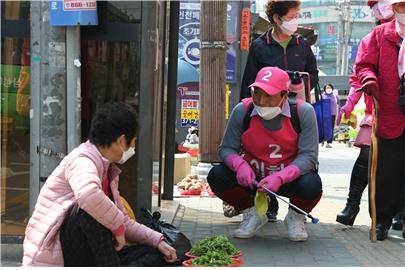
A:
[277,179]
[244,173]
[347,110]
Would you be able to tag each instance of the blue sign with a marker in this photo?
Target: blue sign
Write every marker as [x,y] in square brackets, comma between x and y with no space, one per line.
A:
[73,12]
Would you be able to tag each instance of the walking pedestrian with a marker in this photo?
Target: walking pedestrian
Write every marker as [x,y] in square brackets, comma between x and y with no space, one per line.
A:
[79,219]
[279,149]
[328,94]
[380,71]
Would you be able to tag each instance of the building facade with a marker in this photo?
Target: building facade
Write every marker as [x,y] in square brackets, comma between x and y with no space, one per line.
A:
[53,79]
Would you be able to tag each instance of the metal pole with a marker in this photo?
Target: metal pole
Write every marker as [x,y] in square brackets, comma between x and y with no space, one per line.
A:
[171,100]
[339,40]
[73,97]
[144,153]
[345,60]
[163,89]
[35,87]
[48,82]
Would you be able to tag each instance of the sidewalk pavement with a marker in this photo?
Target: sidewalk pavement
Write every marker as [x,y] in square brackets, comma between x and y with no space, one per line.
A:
[329,244]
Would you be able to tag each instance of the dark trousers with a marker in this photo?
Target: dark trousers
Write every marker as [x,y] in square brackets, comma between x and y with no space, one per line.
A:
[390,182]
[85,242]
[333,128]
[305,192]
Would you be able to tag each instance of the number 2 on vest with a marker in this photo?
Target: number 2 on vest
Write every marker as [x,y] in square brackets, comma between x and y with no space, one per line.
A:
[275,152]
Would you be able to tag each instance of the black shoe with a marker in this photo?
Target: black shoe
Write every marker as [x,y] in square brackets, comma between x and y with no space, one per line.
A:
[398,222]
[272,216]
[348,215]
[273,209]
[381,232]
[358,183]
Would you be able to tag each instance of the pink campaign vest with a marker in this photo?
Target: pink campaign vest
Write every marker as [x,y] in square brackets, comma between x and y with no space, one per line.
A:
[268,151]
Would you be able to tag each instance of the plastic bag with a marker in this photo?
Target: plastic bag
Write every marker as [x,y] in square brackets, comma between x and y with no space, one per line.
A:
[173,236]
[323,115]
[261,204]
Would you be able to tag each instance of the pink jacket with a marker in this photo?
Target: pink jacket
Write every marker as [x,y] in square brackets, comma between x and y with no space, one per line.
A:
[354,97]
[380,63]
[77,179]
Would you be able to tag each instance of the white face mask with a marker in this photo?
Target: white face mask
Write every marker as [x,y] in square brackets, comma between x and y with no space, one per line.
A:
[268,113]
[400,17]
[382,10]
[328,91]
[289,27]
[126,155]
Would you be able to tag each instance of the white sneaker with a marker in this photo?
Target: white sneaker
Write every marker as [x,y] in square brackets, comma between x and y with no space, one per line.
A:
[295,223]
[250,224]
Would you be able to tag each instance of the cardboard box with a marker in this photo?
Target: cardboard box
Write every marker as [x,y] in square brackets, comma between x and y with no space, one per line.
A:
[182,167]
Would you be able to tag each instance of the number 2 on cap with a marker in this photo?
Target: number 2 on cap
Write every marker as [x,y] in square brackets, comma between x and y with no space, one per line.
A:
[267,76]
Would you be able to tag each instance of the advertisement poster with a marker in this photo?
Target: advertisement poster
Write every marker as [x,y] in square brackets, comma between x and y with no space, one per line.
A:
[189,36]
[188,74]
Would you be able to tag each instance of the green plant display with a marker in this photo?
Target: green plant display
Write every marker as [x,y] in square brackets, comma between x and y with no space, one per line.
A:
[215,243]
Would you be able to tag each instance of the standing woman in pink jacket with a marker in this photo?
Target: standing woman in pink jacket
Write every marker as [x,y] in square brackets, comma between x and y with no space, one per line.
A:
[359,178]
[79,219]
[380,72]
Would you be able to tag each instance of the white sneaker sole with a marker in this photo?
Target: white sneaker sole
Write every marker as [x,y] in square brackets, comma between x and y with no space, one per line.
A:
[297,238]
[250,235]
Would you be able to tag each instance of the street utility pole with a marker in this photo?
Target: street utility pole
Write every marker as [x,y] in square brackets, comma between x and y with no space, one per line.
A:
[347,31]
[339,40]
[212,79]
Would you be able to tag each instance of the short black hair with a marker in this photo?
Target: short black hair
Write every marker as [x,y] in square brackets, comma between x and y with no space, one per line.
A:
[280,7]
[326,85]
[111,121]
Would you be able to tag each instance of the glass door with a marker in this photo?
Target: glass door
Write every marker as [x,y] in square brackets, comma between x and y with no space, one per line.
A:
[15,122]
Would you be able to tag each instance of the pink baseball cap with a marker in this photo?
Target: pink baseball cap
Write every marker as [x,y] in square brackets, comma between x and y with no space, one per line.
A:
[272,80]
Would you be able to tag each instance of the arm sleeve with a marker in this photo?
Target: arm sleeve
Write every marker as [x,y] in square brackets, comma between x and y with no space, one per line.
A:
[231,142]
[367,62]
[353,81]
[307,156]
[249,75]
[311,67]
[83,178]
[139,233]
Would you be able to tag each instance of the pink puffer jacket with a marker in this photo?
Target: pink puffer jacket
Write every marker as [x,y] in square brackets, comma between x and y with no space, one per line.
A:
[77,179]
[380,63]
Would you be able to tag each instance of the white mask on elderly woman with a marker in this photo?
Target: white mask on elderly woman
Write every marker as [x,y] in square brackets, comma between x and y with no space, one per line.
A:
[289,27]
[382,10]
[328,91]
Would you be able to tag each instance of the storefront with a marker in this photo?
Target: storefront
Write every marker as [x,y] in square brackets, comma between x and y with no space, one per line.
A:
[122,58]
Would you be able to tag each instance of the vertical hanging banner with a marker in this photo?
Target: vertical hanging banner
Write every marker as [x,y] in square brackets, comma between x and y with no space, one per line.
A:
[245,30]
[73,12]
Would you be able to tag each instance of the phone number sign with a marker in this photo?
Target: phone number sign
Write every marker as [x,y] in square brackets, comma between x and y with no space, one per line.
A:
[79,5]
[73,12]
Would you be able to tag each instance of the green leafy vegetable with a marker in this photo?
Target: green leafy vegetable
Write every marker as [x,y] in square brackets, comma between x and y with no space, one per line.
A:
[213,258]
[215,243]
